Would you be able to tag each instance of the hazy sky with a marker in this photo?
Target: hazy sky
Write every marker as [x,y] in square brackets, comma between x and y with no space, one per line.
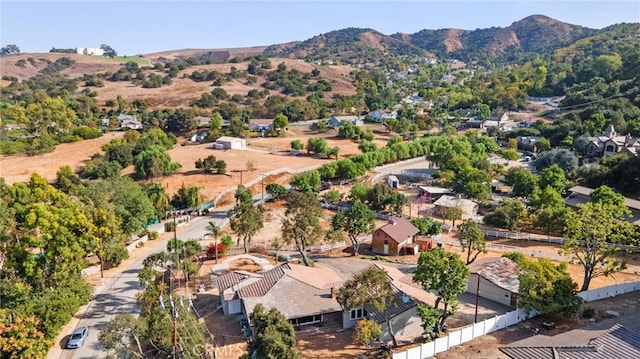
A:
[140,27]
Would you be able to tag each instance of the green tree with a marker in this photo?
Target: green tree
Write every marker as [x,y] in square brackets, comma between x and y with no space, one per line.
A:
[605,195]
[553,176]
[306,182]
[333,196]
[159,197]
[524,183]
[244,218]
[510,154]
[444,274]
[471,239]
[317,145]
[297,145]
[280,123]
[301,224]
[370,288]
[276,190]
[209,164]
[593,234]
[108,50]
[187,197]
[427,226]
[274,337]
[10,50]
[356,220]
[366,331]
[506,215]
[124,336]
[546,288]
[154,162]
[237,127]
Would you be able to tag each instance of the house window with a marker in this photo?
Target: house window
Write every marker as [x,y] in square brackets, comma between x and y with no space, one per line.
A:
[610,148]
[311,319]
[358,313]
[386,241]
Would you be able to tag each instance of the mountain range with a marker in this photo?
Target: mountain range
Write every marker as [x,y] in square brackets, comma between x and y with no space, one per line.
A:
[536,34]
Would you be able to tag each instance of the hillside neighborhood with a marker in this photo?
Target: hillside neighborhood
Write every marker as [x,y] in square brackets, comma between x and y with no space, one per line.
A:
[354,195]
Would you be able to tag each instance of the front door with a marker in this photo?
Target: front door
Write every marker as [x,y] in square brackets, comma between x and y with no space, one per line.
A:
[386,248]
[514,299]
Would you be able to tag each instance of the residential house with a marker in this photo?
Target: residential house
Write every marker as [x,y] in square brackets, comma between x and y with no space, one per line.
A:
[429,194]
[469,208]
[382,115]
[199,136]
[230,143]
[333,122]
[261,125]
[336,121]
[474,122]
[402,313]
[129,121]
[615,342]
[89,51]
[304,295]
[495,279]
[528,143]
[307,296]
[579,195]
[609,143]
[397,236]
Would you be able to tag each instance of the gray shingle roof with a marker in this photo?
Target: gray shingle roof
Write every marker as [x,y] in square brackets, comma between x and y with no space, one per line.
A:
[617,342]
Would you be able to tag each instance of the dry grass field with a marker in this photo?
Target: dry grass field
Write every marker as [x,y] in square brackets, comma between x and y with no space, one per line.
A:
[182,91]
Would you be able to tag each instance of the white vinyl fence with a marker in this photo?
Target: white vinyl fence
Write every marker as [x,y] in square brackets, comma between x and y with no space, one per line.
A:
[489,325]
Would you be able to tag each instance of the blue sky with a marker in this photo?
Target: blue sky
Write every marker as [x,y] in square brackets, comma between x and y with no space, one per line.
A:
[140,27]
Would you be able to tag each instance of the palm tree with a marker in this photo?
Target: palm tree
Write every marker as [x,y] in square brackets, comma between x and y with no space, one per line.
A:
[158,197]
[215,231]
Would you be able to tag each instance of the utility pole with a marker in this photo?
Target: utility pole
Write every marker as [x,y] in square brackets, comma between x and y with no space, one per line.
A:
[475,320]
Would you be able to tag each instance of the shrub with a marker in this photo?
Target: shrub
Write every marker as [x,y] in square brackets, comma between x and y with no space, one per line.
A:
[588,312]
[86,132]
[169,226]
[211,251]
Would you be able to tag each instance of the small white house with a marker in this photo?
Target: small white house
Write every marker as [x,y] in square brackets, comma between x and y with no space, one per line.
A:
[89,51]
[495,279]
[230,143]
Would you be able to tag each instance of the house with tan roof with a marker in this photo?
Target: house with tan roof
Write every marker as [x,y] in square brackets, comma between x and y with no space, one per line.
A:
[495,279]
[609,143]
[397,236]
[305,295]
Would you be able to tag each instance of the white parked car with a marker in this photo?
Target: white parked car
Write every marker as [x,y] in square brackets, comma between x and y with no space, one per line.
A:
[76,339]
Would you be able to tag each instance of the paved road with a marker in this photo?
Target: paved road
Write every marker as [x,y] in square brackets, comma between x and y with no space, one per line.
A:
[118,295]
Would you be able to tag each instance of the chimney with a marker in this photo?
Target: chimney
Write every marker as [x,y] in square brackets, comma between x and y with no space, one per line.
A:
[627,140]
[334,292]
